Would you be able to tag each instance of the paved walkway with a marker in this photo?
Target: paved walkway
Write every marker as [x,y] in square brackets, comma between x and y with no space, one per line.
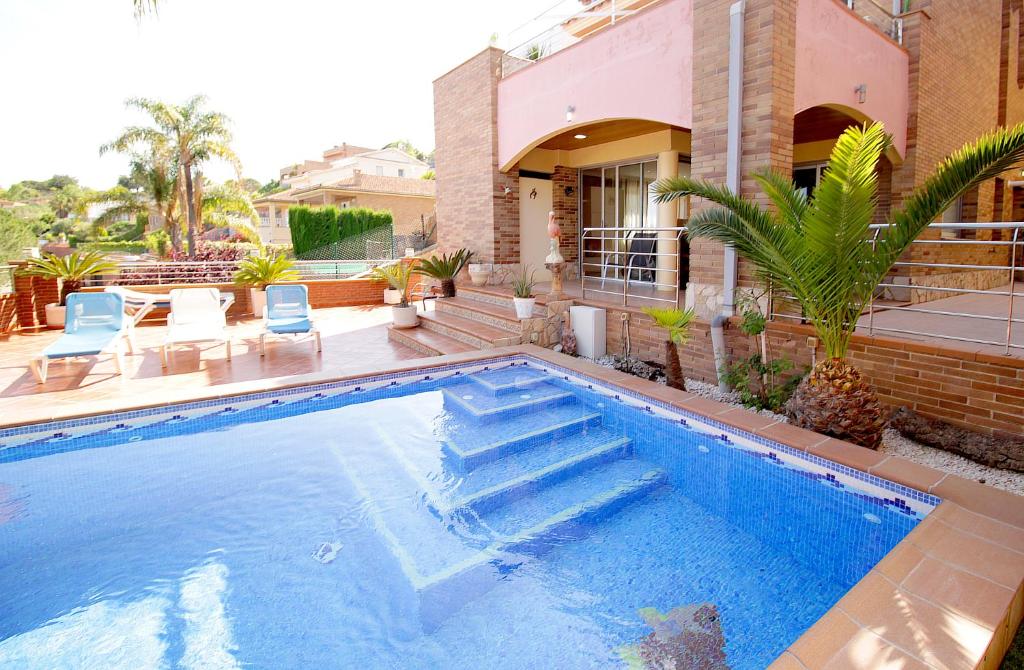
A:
[354,339]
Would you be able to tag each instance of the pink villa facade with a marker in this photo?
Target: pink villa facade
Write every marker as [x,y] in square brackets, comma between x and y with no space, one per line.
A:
[718,89]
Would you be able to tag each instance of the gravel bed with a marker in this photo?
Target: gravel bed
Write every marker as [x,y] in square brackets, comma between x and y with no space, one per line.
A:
[893,443]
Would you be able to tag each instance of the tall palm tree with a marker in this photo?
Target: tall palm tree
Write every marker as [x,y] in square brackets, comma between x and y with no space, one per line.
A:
[143,7]
[230,206]
[193,134]
[818,249]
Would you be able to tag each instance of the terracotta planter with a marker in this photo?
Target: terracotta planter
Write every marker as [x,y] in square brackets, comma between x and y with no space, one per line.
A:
[55,315]
[524,307]
[258,300]
[404,317]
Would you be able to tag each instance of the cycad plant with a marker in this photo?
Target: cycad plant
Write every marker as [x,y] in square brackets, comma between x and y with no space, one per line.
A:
[818,250]
[676,323]
[261,271]
[397,275]
[445,268]
[71,270]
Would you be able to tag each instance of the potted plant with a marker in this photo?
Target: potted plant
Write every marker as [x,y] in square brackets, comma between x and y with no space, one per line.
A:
[445,268]
[258,272]
[479,273]
[71,271]
[522,290]
[677,324]
[397,275]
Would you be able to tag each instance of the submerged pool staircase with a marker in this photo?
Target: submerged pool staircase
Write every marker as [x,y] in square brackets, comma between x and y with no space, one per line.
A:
[504,495]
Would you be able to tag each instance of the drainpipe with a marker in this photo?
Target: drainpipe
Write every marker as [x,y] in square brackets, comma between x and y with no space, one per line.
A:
[732,180]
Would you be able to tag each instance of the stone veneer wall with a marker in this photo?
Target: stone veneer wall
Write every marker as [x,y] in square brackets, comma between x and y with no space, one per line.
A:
[982,392]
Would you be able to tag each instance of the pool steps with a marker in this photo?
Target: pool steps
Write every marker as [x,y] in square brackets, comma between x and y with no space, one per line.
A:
[498,503]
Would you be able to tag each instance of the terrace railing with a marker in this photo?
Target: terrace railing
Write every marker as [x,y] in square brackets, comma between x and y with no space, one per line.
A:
[641,264]
[982,260]
[223,272]
[874,12]
[560,26]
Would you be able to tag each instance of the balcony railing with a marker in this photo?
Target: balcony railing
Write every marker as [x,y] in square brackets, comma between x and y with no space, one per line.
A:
[887,21]
[562,25]
[954,297]
[638,264]
[222,272]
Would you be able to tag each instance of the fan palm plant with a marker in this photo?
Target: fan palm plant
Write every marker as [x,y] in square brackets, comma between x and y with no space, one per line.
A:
[71,270]
[445,268]
[261,271]
[676,323]
[397,275]
[818,249]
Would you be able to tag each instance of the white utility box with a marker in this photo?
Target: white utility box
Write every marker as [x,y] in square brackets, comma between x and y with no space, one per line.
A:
[588,325]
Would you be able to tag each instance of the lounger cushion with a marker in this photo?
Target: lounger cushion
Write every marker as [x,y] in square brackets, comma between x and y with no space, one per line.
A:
[298,324]
[87,343]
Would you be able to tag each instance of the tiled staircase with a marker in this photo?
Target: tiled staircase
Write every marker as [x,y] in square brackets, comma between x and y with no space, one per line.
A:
[473,319]
[525,466]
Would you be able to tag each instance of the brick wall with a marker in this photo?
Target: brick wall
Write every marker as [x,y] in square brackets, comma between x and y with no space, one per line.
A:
[473,209]
[566,208]
[32,294]
[979,391]
[8,313]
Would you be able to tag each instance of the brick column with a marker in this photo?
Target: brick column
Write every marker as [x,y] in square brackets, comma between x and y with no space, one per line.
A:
[566,207]
[32,294]
[473,208]
[769,53]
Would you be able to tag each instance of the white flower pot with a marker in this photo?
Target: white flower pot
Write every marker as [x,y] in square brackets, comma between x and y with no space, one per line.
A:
[524,307]
[258,299]
[55,315]
[392,296]
[479,273]
[404,317]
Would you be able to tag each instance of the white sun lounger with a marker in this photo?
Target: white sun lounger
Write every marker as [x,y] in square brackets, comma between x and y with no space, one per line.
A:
[138,304]
[196,316]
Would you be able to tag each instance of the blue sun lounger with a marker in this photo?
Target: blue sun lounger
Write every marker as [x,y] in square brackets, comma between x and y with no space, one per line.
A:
[287,313]
[94,324]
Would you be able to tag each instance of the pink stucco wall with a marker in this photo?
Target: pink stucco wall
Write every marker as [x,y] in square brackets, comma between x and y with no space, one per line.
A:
[641,68]
[836,52]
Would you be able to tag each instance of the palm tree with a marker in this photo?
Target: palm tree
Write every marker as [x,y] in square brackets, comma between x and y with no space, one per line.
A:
[192,134]
[151,188]
[818,250]
[676,323]
[229,206]
[143,7]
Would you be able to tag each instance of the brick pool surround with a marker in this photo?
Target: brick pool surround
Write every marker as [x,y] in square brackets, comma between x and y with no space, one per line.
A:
[950,595]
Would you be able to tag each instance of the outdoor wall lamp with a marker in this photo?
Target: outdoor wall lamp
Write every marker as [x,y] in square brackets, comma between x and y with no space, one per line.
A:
[569,111]
[569,190]
[862,93]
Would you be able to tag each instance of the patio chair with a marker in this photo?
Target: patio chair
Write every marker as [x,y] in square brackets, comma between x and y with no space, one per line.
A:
[94,324]
[196,316]
[638,260]
[287,312]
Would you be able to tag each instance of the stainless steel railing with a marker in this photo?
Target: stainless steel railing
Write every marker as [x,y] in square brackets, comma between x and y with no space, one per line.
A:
[220,272]
[638,263]
[887,21]
[936,292]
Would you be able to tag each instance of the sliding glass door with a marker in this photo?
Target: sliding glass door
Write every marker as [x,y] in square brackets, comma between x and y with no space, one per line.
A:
[618,196]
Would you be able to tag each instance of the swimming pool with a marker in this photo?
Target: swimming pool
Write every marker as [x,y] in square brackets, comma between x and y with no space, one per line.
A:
[503,514]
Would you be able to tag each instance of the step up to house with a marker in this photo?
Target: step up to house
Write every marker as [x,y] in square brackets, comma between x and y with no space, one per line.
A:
[428,342]
[478,334]
[493,314]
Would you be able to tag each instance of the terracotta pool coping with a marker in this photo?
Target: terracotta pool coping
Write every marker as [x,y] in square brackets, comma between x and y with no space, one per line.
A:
[950,595]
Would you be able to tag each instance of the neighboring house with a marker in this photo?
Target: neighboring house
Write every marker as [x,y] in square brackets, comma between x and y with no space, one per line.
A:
[350,176]
[585,117]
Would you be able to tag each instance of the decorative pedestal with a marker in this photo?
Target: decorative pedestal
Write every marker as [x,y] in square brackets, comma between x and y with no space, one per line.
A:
[556,269]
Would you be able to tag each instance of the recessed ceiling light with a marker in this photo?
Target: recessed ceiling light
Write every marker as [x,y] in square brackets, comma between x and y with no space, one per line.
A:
[580,136]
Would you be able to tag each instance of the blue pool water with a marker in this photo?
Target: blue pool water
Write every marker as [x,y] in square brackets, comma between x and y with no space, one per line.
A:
[499,518]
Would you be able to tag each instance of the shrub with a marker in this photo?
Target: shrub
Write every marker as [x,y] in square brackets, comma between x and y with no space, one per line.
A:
[117,247]
[313,228]
[158,242]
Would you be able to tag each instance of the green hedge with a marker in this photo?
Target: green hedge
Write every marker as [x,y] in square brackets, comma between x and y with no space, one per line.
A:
[314,228]
[116,246]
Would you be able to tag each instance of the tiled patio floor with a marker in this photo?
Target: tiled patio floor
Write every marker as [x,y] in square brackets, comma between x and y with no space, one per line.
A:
[354,338]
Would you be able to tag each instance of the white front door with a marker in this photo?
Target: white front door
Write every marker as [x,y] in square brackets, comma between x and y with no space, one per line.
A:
[534,204]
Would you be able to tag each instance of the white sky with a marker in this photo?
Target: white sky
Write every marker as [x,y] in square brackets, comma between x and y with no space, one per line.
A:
[296,77]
